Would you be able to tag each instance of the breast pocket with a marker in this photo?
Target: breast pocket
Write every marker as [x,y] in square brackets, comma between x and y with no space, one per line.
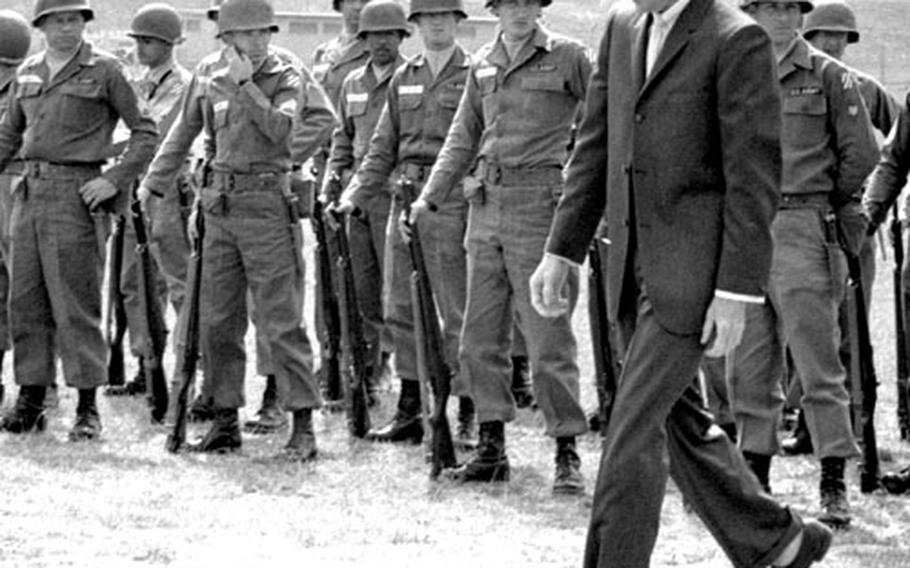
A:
[355,108]
[812,105]
[548,82]
[27,95]
[83,105]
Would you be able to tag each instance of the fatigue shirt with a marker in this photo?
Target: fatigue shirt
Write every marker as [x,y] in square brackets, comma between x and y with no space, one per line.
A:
[70,119]
[363,97]
[248,128]
[890,175]
[7,74]
[515,114]
[827,139]
[414,123]
[334,61]
[883,108]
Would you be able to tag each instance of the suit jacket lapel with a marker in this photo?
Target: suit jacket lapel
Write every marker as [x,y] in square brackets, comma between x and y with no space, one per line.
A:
[689,21]
[640,50]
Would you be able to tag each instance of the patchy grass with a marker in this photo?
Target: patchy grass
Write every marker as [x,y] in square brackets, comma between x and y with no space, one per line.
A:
[124,501]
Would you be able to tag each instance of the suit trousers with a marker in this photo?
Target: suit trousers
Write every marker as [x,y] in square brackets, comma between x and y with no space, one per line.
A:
[251,244]
[55,291]
[507,230]
[658,414]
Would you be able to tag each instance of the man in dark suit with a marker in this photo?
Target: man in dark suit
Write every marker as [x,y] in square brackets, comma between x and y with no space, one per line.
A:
[680,146]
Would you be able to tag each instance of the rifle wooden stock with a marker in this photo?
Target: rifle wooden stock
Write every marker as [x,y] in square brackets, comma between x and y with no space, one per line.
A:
[188,337]
[862,362]
[151,317]
[331,317]
[605,381]
[433,372]
[113,314]
[355,346]
[902,349]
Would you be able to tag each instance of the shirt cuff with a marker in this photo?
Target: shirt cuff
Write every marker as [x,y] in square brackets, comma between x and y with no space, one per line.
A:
[747,298]
[562,259]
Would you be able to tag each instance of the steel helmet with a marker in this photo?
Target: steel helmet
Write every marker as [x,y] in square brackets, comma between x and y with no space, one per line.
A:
[491,3]
[15,37]
[805,6]
[245,15]
[212,12]
[48,7]
[436,7]
[834,16]
[159,21]
[383,16]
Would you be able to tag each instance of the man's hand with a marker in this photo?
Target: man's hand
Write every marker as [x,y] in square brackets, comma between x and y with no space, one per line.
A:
[192,227]
[725,320]
[143,194]
[547,285]
[418,208]
[240,68]
[333,211]
[97,191]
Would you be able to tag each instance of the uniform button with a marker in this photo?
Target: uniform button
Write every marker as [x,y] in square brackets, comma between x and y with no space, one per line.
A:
[639,118]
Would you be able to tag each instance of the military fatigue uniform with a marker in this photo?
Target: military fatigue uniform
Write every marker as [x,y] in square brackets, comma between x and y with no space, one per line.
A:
[408,138]
[62,126]
[363,97]
[516,121]
[252,237]
[828,149]
[7,177]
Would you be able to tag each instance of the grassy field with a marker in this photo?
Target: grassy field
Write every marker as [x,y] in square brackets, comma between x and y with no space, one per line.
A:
[124,501]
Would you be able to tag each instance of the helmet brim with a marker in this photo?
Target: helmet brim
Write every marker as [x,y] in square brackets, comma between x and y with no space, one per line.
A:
[414,15]
[137,35]
[852,35]
[87,14]
[272,28]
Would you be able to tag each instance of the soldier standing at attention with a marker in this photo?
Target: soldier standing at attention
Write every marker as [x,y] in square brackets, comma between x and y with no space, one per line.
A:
[15,40]
[258,122]
[515,123]
[421,102]
[363,95]
[156,29]
[336,58]
[66,102]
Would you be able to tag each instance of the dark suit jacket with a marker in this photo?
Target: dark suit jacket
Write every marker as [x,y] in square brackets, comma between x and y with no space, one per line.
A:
[695,147]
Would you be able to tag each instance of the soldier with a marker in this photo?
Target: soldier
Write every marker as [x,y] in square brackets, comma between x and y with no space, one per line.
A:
[156,29]
[828,149]
[67,100]
[515,122]
[258,120]
[14,46]
[830,27]
[363,95]
[421,102]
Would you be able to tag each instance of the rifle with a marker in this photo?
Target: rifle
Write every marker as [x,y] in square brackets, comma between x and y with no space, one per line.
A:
[188,338]
[151,319]
[605,381]
[900,325]
[113,314]
[331,318]
[433,373]
[863,369]
[351,320]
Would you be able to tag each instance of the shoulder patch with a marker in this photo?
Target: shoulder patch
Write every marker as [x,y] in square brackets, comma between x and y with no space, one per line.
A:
[849,80]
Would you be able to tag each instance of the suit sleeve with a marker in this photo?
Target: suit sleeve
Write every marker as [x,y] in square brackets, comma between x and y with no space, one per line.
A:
[585,197]
[749,118]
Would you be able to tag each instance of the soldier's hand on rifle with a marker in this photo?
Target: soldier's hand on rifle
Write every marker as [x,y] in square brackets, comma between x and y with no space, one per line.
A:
[97,191]
[547,286]
[240,68]
[192,224]
[418,208]
[143,194]
[336,210]
[853,225]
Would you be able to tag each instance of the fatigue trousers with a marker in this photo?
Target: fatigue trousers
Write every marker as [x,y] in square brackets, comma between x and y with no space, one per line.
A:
[507,230]
[366,237]
[442,238]
[6,210]
[658,414]
[808,273]
[252,243]
[754,393]
[55,291]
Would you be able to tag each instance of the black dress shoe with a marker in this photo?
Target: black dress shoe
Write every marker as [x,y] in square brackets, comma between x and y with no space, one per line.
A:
[402,428]
[816,542]
[897,483]
[224,435]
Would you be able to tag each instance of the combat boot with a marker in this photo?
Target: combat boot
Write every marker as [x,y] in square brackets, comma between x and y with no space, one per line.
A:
[270,416]
[301,446]
[522,391]
[833,490]
[760,465]
[489,462]
[568,479]
[28,414]
[406,423]
[466,431]
[88,422]
[200,410]
[134,387]
[897,483]
[800,442]
[224,435]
